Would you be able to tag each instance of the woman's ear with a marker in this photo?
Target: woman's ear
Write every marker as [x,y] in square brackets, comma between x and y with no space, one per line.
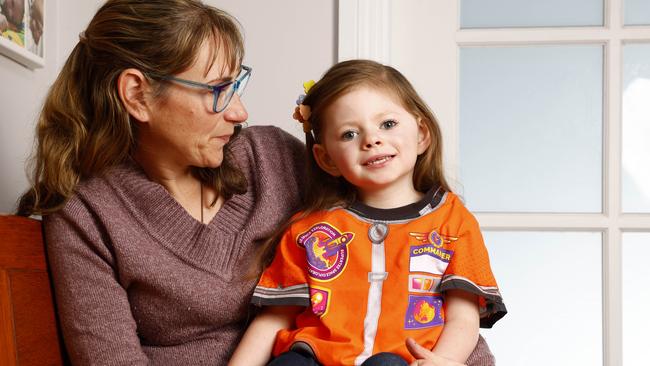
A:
[133,87]
[324,160]
[424,137]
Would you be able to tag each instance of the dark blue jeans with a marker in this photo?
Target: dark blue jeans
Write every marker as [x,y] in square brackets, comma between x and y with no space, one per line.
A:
[293,358]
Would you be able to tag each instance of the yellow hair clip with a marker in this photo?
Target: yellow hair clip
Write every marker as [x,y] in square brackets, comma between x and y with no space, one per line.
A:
[307,85]
[303,112]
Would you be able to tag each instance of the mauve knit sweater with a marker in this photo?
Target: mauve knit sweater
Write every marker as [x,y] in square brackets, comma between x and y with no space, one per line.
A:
[139,281]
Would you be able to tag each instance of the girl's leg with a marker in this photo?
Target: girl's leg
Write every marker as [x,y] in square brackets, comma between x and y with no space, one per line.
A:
[385,359]
[292,358]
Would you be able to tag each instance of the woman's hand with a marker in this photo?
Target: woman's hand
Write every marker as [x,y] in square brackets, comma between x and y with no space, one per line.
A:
[425,357]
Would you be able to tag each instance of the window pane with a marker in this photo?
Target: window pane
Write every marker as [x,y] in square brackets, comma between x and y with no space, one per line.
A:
[636,128]
[552,286]
[531,128]
[637,12]
[636,297]
[517,13]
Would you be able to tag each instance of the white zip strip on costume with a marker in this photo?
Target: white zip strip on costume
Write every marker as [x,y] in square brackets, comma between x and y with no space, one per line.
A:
[377,233]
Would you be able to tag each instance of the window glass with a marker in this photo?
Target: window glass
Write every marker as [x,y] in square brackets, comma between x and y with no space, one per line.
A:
[551,283]
[637,12]
[636,297]
[635,166]
[518,13]
[531,128]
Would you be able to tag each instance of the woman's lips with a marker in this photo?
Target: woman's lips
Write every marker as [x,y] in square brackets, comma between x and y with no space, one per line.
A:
[224,138]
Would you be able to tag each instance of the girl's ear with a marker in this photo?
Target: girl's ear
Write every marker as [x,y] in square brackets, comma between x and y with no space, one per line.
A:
[324,160]
[424,137]
[132,86]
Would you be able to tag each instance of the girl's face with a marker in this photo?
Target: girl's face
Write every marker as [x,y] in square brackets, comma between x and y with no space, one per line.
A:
[185,130]
[372,141]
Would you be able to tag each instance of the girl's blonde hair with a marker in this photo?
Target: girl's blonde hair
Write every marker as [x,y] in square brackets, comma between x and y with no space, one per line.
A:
[323,191]
[83,128]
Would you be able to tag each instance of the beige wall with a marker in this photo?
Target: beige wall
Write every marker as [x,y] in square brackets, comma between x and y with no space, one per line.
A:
[287,42]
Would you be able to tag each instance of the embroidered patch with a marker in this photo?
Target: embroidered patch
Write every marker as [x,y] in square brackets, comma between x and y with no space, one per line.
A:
[327,251]
[427,258]
[433,238]
[320,300]
[423,283]
[423,312]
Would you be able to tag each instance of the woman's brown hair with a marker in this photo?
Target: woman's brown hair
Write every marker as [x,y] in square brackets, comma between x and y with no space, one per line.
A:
[323,191]
[84,129]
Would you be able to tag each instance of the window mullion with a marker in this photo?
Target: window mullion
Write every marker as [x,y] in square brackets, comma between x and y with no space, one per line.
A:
[543,221]
[612,126]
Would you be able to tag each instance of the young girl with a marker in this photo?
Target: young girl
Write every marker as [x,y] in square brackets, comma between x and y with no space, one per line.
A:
[383,251]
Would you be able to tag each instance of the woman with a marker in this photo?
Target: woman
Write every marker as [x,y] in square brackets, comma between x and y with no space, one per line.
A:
[152,206]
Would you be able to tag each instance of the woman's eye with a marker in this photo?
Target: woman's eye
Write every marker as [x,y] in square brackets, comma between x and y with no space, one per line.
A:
[388,124]
[349,135]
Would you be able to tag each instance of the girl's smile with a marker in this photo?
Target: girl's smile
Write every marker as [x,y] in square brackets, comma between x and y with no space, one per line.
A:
[379,161]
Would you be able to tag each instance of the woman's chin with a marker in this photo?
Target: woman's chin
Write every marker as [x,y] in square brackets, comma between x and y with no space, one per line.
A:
[212,162]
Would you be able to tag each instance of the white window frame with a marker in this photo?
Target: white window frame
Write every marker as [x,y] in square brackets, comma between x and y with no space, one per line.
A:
[367,29]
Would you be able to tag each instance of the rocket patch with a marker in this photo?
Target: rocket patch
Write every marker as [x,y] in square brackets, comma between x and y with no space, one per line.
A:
[326,249]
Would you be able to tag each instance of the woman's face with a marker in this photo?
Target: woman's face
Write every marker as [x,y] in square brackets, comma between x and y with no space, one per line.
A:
[184,130]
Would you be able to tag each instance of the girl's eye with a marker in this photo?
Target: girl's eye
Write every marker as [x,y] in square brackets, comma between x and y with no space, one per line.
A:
[349,135]
[387,125]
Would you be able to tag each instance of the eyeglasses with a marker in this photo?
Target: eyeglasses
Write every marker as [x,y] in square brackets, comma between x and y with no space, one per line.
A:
[222,92]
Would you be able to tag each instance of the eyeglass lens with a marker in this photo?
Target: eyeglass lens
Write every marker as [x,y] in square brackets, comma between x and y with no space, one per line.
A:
[225,95]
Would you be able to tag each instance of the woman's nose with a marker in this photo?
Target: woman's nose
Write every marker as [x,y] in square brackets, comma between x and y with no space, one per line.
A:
[235,111]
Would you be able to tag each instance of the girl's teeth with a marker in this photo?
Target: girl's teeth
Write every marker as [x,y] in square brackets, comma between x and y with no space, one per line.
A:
[380,160]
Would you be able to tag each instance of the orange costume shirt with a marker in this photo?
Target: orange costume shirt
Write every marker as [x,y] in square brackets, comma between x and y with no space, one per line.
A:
[369,278]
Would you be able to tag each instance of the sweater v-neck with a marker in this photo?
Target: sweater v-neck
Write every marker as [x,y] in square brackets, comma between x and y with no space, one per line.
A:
[204,245]
[157,202]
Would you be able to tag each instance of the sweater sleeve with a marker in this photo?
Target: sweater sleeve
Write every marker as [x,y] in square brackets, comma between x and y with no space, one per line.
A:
[95,315]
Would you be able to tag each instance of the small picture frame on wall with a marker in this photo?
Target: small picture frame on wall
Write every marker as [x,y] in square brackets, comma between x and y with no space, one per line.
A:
[22,25]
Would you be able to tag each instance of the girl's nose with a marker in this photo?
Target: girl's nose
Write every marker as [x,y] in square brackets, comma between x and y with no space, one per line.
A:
[372,141]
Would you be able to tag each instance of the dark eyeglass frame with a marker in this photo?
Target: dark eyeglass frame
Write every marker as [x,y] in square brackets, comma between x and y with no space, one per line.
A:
[242,79]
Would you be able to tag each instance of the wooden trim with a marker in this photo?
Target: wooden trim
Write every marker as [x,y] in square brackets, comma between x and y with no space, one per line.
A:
[28,325]
[7,330]
[22,243]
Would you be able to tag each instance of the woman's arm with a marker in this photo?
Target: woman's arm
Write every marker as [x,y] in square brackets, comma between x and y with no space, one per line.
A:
[94,311]
[460,332]
[256,346]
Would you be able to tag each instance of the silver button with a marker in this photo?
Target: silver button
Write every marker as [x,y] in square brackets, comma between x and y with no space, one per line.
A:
[378,232]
